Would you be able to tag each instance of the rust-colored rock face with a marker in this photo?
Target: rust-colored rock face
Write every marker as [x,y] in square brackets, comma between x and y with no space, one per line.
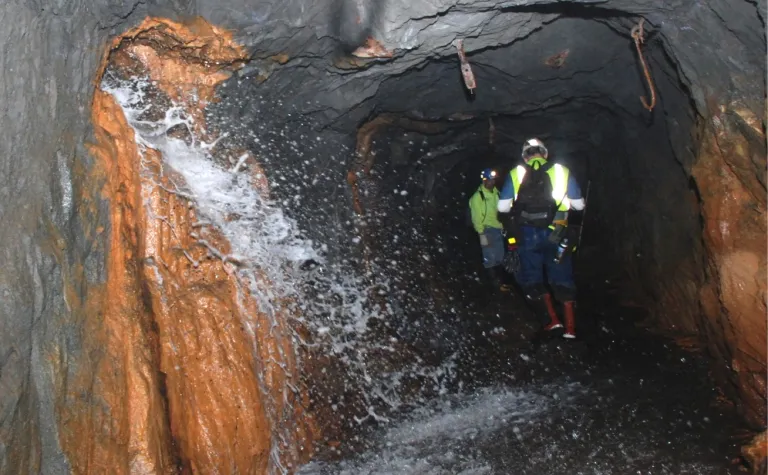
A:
[216,412]
[113,418]
[186,62]
[756,454]
[175,341]
[730,175]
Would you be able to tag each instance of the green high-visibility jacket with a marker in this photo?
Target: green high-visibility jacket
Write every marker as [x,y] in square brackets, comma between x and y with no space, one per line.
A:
[482,206]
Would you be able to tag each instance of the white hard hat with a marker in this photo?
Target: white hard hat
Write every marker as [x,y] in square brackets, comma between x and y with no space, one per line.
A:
[532,144]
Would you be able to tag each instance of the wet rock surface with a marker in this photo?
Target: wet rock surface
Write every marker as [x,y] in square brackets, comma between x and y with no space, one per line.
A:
[677,204]
[227,367]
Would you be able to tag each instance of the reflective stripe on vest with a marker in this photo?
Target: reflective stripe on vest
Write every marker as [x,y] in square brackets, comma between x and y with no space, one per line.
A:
[558,175]
[559,179]
[517,178]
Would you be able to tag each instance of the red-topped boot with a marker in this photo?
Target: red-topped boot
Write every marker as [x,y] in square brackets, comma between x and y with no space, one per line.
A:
[554,322]
[569,314]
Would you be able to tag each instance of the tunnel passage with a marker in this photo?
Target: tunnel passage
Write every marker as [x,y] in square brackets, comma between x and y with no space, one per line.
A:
[570,75]
[353,145]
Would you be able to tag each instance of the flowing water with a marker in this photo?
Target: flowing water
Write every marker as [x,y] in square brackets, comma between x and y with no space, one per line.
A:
[494,403]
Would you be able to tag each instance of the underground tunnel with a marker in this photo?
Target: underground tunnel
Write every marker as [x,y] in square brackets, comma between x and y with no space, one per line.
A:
[236,242]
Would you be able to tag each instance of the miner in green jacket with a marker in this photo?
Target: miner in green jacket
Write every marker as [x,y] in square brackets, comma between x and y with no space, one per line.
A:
[483,208]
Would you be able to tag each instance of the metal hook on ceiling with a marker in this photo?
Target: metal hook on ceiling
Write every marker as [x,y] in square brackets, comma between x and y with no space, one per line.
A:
[637,33]
[466,68]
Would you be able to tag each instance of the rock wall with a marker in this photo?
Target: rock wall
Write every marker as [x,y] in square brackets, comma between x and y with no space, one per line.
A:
[730,176]
[694,247]
[126,347]
[192,400]
[52,252]
[213,344]
[112,415]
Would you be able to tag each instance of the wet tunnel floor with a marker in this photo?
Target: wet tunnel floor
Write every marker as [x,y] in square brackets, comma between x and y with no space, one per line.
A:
[618,401]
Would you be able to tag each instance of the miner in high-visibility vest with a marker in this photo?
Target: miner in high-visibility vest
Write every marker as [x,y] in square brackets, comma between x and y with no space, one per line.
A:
[483,212]
[540,194]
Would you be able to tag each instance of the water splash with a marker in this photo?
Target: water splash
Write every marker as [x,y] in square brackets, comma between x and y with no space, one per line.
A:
[539,429]
[442,437]
[335,301]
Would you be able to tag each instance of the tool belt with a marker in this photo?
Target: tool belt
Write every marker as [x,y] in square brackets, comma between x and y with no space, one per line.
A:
[559,227]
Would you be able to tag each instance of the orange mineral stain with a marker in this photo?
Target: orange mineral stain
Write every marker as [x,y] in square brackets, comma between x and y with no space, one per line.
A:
[182,372]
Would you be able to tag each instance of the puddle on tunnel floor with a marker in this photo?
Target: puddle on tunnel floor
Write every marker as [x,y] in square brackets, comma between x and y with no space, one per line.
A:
[621,402]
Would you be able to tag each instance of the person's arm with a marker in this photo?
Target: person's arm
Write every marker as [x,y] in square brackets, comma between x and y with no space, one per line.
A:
[574,194]
[506,196]
[476,206]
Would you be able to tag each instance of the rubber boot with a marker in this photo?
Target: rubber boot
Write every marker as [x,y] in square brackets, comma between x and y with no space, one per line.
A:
[569,314]
[494,275]
[554,322]
[501,278]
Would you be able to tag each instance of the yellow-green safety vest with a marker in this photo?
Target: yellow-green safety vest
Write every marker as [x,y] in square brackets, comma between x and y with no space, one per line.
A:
[558,175]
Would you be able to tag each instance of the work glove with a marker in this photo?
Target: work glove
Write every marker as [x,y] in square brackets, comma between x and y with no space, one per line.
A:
[483,240]
[512,262]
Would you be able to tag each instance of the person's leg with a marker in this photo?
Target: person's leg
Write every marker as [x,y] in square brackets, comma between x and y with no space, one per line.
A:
[531,276]
[496,241]
[494,258]
[496,246]
[569,315]
[490,256]
[560,276]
